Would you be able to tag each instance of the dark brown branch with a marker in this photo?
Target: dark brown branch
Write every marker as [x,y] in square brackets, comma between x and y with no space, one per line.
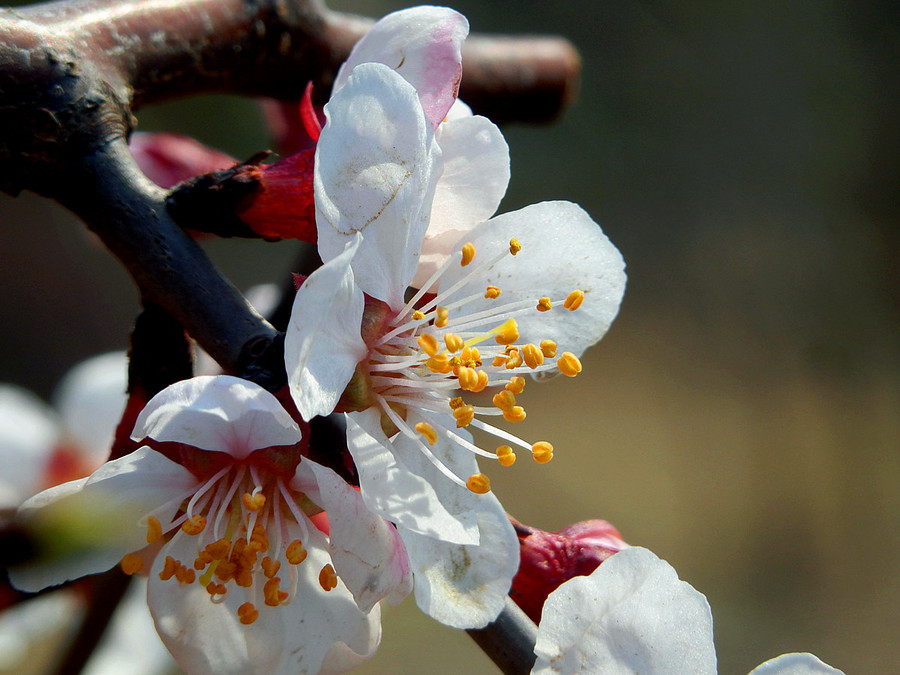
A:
[509,640]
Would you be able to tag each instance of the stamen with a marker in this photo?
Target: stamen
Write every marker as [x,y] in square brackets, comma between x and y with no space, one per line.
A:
[253,502]
[464,415]
[132,564]
[568,364]
[468,253]
[154,530]
[542,452]
[544,305]
[516,384]
[454,342]
[427,431]
[514,246]
[428,343]
[194,525]
[327,578]
[417,316]
[170,566]
[295,553]
[505,400]
[492,293]
[516,414]
[573,300]
[506,333]
[456,402]
[441,317]
[506,456]
[479,483]
[532,355]
[247,613]
[548,348]
[274,596]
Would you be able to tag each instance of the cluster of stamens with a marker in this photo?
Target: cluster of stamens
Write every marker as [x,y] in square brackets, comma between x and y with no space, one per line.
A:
[427,355]
[243,529]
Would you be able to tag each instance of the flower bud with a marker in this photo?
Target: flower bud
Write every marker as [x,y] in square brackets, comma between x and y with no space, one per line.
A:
[168,159]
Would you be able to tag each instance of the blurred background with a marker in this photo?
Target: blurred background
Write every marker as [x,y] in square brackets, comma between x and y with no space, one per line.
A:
[741,417]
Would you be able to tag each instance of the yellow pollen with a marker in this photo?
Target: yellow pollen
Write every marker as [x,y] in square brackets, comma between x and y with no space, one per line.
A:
[471,357]
[417,316]
[573,300]
[513,358]
[514,246]
[194,524]
[468,253]
[219,550]
[544,305]
[542,452]
[492,293]
[154,530]
[471,379]
[517,414]
[215,589]
[428,344]
[479,483]
[499,361]
[506,456]
[548,348]
[185,575]
[274,596]
[441,317]
[507,333]
[532,355]
[428,432]
[464,415]
[169,568]
[132,563]
[327,578]
[439,363]
[505,400]
[270,567]
[253,502]
[516,385]
[454,342]
[247,613]
[295,552]
[568,364]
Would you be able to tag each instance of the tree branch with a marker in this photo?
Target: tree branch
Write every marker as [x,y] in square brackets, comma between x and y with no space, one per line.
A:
[509,640]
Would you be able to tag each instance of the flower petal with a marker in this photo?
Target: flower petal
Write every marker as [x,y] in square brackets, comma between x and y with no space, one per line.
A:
[28,432]
[393,491]
[206,637]
[795,664]
[631,615]
[366,550]
[322,344]
[219,413]
[562,250]
[376,169]
[423,44]
[88,525]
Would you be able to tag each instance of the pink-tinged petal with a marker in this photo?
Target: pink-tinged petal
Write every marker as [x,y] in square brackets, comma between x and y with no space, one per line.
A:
[563,249]
[323,345]
[218,413]
[397,493]
[316,630]
[366,550]
[632,615]
[168,159]
[795,664]
[28,433]
[87,526]
[424,45]
[376,169]
[475,178]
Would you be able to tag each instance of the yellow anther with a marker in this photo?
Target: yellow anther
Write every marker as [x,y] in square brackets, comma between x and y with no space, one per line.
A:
[573,300]
[327,578]
[506,456]
[170,566]
[247,613]
[270,567]
[454,342]
[516,385]
[439,363]
[507,333]
[513,358]
[471,357]
[532,355]
[219,550]
[468,253]
[441,317]
[544,305]
[505,400]
[185,575]
[427,431]
[482,381]
[428,343]
[132,563]
[464,415]
[568,364]
[492,293]
[154,530]
[253,502]
[194,525]
[542,452]
[514,246]
[516,414]
[295,553]
[467,377]
[417,316]
[479,483]
[499,361]
[273,594]
[456,402]
[215,589]
[548,348]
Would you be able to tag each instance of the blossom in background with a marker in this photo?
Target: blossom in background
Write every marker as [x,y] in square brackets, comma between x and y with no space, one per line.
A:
[240,578]
[168,159]
[633,615]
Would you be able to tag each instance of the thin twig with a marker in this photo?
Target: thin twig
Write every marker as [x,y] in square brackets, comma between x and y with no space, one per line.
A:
[509,640]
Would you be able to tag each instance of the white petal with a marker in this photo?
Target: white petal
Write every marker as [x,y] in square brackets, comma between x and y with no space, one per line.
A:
[219,413]
[395,492]
[322,344]
[423,44]
[562,250]
[366,550]
[27,628]
[375,173]
[28,433]
[91,399]
[88,525]
[795,664]
[208,638]
[631,615]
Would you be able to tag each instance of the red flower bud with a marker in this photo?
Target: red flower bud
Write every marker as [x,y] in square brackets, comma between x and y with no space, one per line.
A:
[549,559]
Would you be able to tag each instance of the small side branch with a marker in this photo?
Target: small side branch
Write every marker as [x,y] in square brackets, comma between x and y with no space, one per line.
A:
[509,640]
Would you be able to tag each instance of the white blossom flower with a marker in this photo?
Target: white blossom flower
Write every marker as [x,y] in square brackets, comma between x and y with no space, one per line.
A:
[633,615]
[241,581]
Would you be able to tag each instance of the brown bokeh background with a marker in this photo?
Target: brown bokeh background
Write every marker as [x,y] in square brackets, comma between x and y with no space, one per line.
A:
[741,417]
